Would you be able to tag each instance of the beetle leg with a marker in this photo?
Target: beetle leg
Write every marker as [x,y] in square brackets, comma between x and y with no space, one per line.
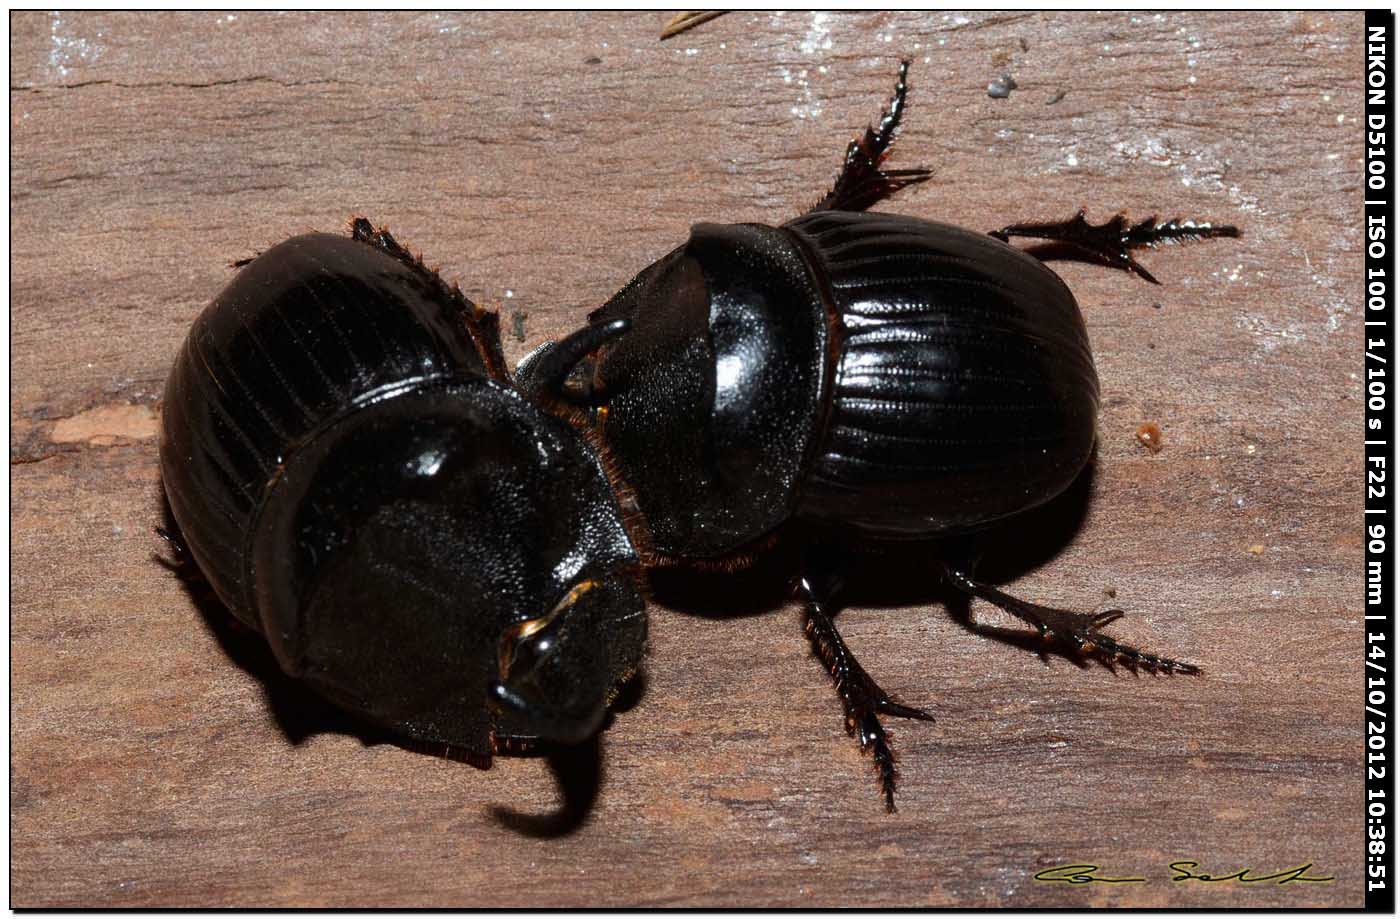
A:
[1080,631]
[861,696]
[1112,242]
[861,181]
[182,564]
[544,373]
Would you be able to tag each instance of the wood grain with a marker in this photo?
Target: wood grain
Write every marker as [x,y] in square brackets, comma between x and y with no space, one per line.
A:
[542,159]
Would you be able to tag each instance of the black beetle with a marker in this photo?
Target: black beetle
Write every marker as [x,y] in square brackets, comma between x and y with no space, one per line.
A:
[354,472]
[879,376]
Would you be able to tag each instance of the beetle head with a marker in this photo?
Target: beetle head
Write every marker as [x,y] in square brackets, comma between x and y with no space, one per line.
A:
[548,682]
[403,544]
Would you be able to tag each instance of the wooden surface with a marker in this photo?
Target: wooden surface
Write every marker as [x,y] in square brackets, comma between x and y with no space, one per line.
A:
[543,159]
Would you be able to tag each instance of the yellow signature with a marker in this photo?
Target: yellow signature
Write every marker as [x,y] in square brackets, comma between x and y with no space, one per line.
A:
[1182,871]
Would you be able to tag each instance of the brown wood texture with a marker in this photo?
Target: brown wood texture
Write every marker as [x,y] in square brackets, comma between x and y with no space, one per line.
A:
[542,159]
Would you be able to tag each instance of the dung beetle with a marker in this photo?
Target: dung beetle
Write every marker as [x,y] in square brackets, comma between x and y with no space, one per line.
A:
[357,477]
[873,376]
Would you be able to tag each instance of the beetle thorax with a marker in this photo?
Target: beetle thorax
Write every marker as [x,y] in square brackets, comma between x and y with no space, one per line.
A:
[714,396]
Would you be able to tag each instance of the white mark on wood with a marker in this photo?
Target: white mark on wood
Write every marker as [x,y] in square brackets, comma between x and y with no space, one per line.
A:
[67,50]
[818,37]
[1268,334]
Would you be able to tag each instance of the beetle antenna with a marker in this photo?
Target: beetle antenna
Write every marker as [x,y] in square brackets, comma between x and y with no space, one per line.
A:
[549,373]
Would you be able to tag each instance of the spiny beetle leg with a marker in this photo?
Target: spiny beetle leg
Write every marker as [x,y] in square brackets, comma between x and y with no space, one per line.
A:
[861,696]
[1112,242]
[862,182]
[1079,631]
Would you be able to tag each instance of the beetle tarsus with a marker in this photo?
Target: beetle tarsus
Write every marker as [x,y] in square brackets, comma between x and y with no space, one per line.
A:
[1113,241]
[861,696]
[862,182]
[1077,631]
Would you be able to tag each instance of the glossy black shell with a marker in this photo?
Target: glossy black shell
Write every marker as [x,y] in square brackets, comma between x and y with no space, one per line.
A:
[358,481]
[964,389]
[902,378]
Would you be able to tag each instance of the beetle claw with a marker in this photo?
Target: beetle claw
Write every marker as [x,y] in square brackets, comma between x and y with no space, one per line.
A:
[1079,631]
[1112,242]
[887,706]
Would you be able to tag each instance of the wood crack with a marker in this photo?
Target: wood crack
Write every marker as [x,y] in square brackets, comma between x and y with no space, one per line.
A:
[173,84]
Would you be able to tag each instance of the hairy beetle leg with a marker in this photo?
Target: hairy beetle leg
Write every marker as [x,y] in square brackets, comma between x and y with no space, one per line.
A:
[1080,631]
[861,697]
[1112,241]
[861,181]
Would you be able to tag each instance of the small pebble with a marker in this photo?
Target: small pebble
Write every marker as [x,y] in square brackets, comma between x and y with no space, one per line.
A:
[1001,87]
[1256,549]
[1059,94]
